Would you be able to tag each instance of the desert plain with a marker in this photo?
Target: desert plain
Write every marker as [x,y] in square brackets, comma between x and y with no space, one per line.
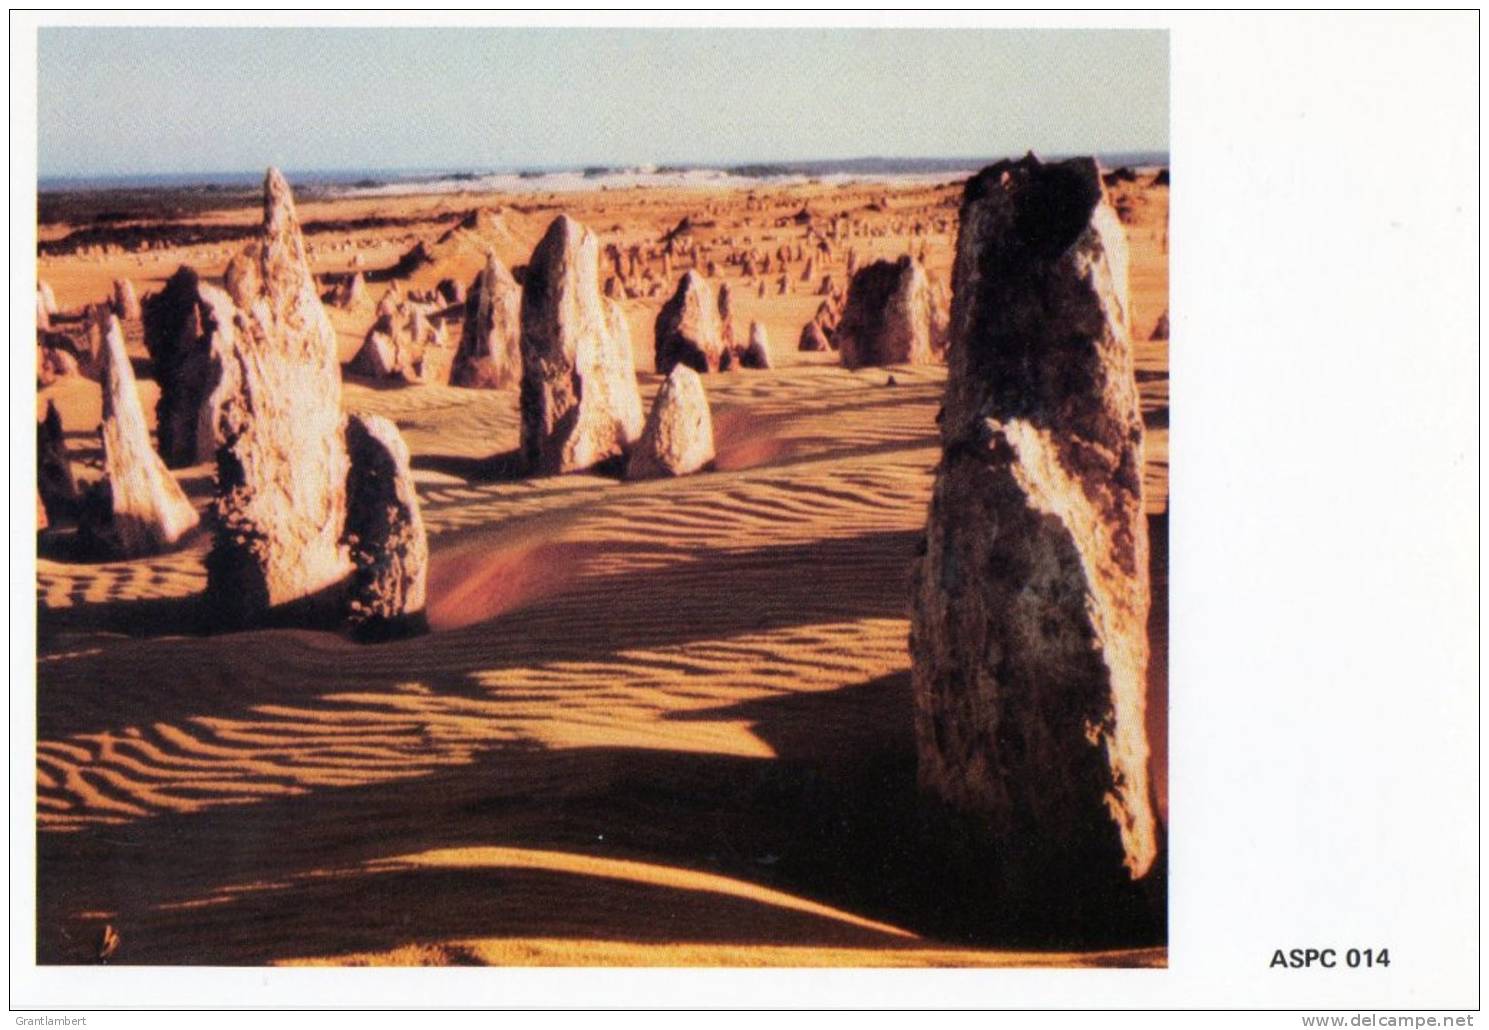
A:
[654,722]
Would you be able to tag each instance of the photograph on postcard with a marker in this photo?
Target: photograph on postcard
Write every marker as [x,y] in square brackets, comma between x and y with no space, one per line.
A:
[581,496]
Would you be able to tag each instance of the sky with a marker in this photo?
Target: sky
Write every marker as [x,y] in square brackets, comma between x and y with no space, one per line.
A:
[123,101]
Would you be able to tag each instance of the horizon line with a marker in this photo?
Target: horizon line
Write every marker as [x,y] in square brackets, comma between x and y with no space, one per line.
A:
[972,160]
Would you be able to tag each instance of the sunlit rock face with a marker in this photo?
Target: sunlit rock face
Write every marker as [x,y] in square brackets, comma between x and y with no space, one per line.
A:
[137,508]
[689,330]
[490,352]
[678,436]
[280,504]
[580,402]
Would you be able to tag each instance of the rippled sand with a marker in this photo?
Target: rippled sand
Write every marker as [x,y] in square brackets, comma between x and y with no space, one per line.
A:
[655,723]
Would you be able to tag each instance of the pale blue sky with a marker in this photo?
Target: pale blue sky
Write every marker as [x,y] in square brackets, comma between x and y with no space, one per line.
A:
[126,101]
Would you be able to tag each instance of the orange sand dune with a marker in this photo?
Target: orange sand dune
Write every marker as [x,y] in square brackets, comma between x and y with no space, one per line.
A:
[655,723]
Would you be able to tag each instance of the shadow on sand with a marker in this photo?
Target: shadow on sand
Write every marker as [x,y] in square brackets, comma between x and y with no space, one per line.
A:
[318,875]
[832,817]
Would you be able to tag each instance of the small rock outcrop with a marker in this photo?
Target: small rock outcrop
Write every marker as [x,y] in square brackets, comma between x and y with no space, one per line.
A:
[828,314]
[126,303]
[756,353]
[940,317]
[190,332]
[1160,328]
[726,317]
[137,508]
[887,317]
[384,532]
[391,302]
[490,352]
[352,291]
[95,320]
[55,484]
[813,338]
[688,331]
[678,438]
[54,361]
[1029,603]
[395,346]
[580,402]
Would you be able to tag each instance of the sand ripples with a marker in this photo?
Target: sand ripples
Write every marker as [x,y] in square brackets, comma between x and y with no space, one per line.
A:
[662,722]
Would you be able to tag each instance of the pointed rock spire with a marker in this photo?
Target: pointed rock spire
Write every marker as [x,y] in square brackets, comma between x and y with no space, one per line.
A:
[490,351]
[281,470]
[55,484]
[580,402]
[756,353]
[126,302]
[688,330]
[384,532]
[137,508]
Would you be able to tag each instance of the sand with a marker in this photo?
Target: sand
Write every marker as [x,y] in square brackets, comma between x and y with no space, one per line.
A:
[656,723]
